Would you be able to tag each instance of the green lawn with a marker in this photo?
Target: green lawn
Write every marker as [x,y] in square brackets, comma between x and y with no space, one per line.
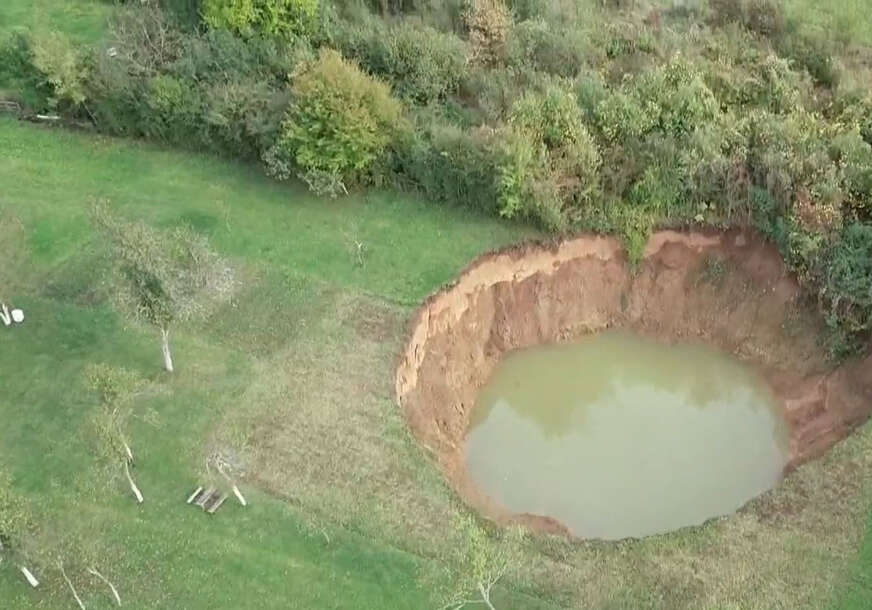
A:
[295,375]
[82,20]
[165,554]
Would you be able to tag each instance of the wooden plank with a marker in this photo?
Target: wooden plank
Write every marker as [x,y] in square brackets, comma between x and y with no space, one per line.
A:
[194,495]
[205,497]
[216,505]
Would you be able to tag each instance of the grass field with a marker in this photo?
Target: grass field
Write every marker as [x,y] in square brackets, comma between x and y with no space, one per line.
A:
[82,20]
[165,554]
[295,377]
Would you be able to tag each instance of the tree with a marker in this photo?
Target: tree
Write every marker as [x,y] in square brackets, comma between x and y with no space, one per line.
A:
[117,388]
[474,567]
[339,125]
[164,277]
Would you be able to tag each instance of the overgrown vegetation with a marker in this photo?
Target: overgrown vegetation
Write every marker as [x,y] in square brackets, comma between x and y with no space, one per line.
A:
[572,116]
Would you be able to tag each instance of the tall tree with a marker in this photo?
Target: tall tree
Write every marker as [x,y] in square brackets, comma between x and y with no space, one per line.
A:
[164,278]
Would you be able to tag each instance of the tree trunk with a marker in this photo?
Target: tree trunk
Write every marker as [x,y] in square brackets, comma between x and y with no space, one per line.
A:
[485,596]
[133,486]
[165,348]
[72,588]
[106,580]
[31,579]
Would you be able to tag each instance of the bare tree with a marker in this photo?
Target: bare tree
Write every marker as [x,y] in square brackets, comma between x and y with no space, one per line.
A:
[164,277]
[117,388]
[475,567]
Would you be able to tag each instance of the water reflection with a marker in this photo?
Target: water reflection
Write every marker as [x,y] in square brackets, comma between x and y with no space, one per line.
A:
[616,436]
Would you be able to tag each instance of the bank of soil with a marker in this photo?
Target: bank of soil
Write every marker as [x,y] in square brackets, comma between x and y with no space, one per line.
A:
[730,290]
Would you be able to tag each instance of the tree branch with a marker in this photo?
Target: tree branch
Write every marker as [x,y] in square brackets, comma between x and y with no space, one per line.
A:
[110,585]
[72,588]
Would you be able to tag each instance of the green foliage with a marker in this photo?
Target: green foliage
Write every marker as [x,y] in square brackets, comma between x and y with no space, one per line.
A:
[172,109]
[847,283]
[763,17]
[340,122]
[62,67]
[422,65]
[487,23]
[475,567]
[538,45]
[552,118]
[163,277]
[116,387]
[270,17]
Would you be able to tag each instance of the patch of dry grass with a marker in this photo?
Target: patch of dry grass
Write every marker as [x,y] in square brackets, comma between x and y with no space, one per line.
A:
[319,427]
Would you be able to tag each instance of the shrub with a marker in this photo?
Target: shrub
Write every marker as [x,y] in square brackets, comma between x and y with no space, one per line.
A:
[538,45]
[847,282]
[449,164]
[173,109]
[553,118]
[18,78]
[272,17]
[763,17]
[422,64]
[340,121]
[811,54]
[62,67]
[488,23]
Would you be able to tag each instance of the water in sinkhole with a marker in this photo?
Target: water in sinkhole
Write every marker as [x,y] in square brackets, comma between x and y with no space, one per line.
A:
[618,436]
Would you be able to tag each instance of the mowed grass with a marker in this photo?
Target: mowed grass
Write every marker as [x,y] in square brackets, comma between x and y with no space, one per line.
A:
[83,21]
[295,377]
[295,253]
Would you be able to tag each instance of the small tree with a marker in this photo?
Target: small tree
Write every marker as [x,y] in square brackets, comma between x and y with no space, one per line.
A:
[475,567]
[117,388]
[339,125]
[164,277]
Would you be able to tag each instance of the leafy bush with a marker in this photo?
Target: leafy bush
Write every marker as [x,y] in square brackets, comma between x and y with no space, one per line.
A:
[19,81]
[422,64]
[449,164]
[847,282]
[339,123]
[553,118]
[536,44]
[488,23]
[763,17]
[812,54]
[61,65]
[273,17]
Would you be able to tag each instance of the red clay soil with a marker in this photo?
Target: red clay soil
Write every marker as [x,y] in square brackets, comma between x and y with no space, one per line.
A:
[730,290]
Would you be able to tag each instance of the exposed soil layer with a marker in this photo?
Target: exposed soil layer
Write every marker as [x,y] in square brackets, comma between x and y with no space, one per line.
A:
[730,290]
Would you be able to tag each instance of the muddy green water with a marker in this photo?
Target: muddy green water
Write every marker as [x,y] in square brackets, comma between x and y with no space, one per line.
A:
[616,436]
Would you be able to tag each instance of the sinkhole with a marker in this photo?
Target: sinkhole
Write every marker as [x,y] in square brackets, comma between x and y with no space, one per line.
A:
[565,388]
